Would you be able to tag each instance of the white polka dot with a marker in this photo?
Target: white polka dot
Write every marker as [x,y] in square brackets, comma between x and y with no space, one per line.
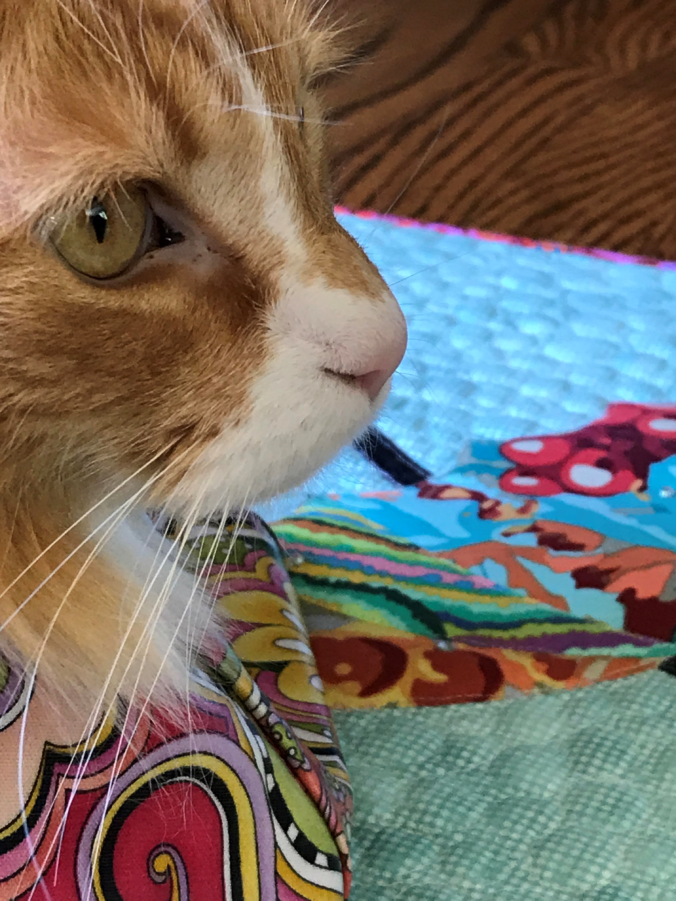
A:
[590,476]
[663,425]
[528,445]
[525,481]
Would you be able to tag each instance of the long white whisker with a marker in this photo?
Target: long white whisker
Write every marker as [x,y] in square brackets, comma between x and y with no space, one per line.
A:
[96,713]
[89,33]
[235,534]
[152,623]
[83,517]
[195,12]
[48,578]
[190,521]
[418,167]
[266,111]
[114,52]
[120,513]
[92,719]
[142,38]
[199,583]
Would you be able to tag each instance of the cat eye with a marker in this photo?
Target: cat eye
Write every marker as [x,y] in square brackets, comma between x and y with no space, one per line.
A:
[111,233]
[107,236]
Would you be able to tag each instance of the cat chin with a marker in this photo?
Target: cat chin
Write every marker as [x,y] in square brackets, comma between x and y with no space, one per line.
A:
[287,436]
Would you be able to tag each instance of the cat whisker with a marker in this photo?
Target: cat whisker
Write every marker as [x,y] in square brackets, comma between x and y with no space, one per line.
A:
[241,515]
[142,40]
[156,613]
[98,714]
[266,111]
[188,19]
[170,557]
[57,569]
[98,707]
[420,163]
[79,521]
[113,54]
[236,530]
[106,31]
[120,513]
[191,519]
[117,516]
[269,48]
[199,583]
[95,715]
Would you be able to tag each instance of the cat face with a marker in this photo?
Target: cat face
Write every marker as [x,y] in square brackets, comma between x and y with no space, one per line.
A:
[175,293]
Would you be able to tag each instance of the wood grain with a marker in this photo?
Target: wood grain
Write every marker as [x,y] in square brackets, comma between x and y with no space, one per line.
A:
[521,116]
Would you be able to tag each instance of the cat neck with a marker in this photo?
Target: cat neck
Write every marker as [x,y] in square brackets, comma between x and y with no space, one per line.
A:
[90,604]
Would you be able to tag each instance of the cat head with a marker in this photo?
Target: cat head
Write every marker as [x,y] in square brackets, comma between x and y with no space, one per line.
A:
[176,296]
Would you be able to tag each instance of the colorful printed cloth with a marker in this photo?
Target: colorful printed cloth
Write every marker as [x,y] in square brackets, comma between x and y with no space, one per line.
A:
[249,800]
[459,591]
[445,591]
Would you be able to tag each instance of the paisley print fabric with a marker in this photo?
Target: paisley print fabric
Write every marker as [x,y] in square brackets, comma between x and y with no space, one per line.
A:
[454,589]
[445,591]
[248,801]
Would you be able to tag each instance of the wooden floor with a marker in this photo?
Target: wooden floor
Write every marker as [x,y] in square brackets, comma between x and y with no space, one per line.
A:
[551,120]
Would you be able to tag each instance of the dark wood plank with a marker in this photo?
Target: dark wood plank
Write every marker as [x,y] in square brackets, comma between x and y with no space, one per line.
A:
[522,116]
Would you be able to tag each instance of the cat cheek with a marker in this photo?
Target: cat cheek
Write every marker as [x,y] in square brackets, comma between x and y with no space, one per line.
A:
[330,356]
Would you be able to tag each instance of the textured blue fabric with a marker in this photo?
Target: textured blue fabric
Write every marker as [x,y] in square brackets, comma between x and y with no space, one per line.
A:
[570,797]
[508,340]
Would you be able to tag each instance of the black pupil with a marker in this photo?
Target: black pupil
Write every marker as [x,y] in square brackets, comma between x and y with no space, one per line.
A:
[98,219]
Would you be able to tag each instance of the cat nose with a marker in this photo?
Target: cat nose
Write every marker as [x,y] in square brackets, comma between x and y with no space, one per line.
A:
[375,371]
[374,382]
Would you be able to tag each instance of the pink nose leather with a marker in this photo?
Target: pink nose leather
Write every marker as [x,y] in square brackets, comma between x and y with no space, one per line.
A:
[381,366]
[382,350]
[373,382]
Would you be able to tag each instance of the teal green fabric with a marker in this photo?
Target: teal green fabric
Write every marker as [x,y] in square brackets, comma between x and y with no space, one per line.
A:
[567,797]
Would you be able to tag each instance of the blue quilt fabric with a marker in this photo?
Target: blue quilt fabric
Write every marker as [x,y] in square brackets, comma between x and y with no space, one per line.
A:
[509,340]
[568,797]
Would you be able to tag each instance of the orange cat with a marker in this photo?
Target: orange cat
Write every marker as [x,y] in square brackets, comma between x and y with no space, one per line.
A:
[182,320]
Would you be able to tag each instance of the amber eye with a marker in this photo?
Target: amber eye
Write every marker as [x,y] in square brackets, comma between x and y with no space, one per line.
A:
[108,236]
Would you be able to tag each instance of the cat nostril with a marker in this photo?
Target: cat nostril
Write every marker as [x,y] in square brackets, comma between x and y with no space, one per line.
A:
[373,382]
[373,373]
[344,377]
